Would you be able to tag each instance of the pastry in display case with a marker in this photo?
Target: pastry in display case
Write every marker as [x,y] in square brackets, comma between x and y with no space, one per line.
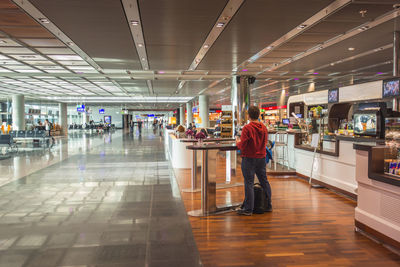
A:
[392,141]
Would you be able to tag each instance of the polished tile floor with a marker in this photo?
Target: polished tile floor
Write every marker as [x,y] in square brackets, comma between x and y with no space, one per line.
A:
[94,200]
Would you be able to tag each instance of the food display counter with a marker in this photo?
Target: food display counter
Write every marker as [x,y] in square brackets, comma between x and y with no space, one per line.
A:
[377,212]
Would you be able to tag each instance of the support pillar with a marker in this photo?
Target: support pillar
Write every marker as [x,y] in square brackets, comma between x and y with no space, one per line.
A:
[63,118]
[18,112]
[204,111]
[243,100]
[189,113]
[182,115]
[396,53]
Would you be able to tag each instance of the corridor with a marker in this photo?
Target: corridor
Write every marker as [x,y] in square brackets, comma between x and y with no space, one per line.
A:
[109,201]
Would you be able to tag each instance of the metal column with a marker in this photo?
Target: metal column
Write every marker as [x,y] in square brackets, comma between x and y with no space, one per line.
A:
[204,111]
[189,113]
[182,115]
[396,53]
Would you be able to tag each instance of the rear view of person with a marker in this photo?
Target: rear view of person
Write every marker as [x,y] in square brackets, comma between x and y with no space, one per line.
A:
[47,126]
[252,145]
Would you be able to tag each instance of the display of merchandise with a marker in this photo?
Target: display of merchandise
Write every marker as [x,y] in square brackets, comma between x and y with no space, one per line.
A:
[392,140]
[226,124]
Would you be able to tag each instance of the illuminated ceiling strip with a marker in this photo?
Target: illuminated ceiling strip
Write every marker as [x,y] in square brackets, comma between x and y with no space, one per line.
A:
[135,24]
[36,14]
[225,17]
[351,33]
[321,15]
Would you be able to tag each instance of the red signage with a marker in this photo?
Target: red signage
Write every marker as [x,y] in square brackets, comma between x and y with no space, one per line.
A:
[275,107]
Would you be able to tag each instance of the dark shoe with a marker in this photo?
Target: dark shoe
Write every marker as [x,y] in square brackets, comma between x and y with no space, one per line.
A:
[269,209]
[243,212]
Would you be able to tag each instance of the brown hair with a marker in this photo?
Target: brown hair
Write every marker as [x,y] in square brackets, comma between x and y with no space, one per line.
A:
[254,112]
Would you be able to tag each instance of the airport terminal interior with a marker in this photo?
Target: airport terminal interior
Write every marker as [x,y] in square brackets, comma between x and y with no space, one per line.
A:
[123,125]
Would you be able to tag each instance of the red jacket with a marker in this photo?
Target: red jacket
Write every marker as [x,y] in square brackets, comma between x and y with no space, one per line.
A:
[253,141]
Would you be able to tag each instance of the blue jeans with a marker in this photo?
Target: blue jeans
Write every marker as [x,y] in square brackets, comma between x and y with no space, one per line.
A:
[251,166]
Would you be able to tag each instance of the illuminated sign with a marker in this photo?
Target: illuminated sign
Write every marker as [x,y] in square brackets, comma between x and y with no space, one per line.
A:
[80,108]
[101,111]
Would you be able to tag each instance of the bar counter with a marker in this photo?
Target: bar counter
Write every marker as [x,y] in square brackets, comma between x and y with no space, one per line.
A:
[377,211]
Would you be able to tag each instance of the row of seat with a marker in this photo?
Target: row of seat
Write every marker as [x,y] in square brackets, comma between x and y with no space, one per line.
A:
[28,134]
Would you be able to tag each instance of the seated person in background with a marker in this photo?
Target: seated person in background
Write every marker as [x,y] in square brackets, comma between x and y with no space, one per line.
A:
[190,126]
[180,131]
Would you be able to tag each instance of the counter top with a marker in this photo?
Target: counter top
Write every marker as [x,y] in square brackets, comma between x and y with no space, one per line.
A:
[359,139]
[222,147]
[366,146]
[293,132]
[187,140]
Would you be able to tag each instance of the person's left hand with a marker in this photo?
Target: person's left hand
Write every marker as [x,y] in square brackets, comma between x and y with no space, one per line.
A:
[237,139]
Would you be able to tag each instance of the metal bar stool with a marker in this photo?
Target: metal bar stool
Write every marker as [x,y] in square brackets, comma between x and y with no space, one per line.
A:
[281,140]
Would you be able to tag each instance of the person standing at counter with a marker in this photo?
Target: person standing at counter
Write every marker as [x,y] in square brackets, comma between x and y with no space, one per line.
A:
[252,145]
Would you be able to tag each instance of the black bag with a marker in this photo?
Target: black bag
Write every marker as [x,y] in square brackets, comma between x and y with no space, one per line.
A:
[260,202]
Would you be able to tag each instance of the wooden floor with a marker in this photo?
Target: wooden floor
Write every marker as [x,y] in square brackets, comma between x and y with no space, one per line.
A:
[308,227]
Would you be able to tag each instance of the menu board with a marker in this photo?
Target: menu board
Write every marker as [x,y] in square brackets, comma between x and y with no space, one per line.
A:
[391,88]
[365,124]
[333,95]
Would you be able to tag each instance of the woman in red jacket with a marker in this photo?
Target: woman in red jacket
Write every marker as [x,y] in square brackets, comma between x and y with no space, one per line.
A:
[252,145]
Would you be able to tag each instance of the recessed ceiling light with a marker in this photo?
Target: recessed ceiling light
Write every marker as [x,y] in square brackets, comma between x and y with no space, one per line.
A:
[332,64]
[134,22]
[70,43]
[270,47]
[302,26]
[351,48]
[363,28]
[140,45]
[44,20]
[143,59]
[206,46]
[197,60]
[220,24]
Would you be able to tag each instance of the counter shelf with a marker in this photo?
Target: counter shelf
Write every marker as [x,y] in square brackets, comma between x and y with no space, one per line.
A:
[195,170]
[208,178]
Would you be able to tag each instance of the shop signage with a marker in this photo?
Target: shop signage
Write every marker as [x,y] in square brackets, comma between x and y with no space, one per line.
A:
[80,108]
[226,107]
[125,111]
[195,110]
[101,111]
[150,115]
[215,111]
[275,107]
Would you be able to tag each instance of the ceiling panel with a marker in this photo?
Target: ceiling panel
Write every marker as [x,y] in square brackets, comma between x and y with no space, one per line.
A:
[164,87]
[43,42]
[257,24]
[365,41]
[174,30]
[107,41]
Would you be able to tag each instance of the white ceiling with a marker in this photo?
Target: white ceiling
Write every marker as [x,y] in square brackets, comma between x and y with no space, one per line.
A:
[160,54]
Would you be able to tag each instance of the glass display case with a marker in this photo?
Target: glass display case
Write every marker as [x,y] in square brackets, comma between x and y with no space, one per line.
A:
[392,141]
